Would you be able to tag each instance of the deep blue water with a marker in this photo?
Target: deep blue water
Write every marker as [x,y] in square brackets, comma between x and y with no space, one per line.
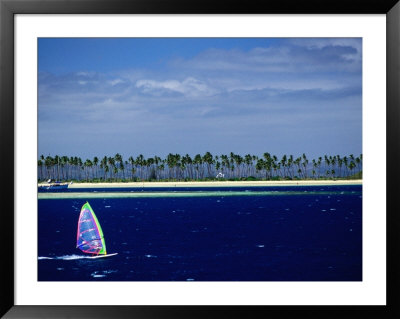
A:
[300,234]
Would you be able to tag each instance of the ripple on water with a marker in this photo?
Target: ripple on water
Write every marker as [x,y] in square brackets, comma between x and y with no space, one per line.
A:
[102,274]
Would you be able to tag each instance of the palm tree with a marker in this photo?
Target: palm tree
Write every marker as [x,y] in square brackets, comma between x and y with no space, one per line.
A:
[345,161]
[224,163]
[327,162]
[260,165]
[95,162]
[106,170]
[122,169]
[48,163]
[313,173]
[187,161]
[358,162]
[64,161]
[340,164]
[283,163]
[217,166]
[208,159]
[305,164]
[40,164]
[254,160]
[118,159]
[275,165]
[314,167]
[157,162]
[268,165]
[248,159]
[87,165]
[111,162]
[352,165]
[139,162]
[57,163]
[297,162]
[290,166]
[132,161]
[333,162]
[103,164]
[75,170]
[319,163]
[80,167]
[198,161]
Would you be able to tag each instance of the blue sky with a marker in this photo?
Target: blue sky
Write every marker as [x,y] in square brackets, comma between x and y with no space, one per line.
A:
[155,96]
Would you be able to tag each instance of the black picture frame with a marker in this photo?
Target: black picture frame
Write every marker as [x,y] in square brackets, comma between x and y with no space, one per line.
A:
[8,8]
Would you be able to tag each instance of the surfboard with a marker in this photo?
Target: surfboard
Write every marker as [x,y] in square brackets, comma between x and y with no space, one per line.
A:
[103,256]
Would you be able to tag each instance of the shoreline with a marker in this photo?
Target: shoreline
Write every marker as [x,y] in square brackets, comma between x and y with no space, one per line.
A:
[215,184]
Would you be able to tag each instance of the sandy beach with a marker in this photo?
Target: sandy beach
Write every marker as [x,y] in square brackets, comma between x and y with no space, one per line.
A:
[215,184]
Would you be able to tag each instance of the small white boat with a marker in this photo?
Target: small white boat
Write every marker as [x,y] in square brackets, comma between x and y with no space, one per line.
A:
[54,185]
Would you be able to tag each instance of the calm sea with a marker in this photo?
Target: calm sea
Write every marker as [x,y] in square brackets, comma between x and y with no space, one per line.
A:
[299,233]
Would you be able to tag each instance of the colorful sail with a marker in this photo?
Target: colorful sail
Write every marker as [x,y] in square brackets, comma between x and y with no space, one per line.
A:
[90,238]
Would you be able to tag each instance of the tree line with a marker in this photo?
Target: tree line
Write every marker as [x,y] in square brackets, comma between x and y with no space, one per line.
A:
[201,167]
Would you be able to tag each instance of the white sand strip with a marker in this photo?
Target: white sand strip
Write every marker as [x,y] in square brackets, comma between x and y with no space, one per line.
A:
[217,184]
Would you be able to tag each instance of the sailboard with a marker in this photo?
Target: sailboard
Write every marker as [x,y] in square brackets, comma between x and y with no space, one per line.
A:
[90,237]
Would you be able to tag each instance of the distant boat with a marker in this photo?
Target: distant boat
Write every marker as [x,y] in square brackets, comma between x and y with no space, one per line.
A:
[54,185]
[90,237]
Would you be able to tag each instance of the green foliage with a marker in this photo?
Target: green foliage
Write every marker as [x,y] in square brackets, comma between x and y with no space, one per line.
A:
[207,167]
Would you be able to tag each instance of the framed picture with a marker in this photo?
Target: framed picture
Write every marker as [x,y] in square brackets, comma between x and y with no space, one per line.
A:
[216,59]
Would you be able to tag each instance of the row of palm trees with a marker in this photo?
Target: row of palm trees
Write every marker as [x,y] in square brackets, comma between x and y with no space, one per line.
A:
[200,167]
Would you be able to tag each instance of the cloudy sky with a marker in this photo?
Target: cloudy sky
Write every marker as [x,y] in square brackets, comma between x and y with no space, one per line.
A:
[157,96]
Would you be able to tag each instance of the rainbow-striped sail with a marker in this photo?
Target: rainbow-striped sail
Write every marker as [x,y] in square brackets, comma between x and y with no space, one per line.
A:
[90,238]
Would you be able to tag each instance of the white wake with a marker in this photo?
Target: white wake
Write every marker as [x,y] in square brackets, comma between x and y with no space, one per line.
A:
[66,257]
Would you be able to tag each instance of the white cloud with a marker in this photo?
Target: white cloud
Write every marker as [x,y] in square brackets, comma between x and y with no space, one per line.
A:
[190,87]
[83,73]
[115,82]
[320,43]
[292,56]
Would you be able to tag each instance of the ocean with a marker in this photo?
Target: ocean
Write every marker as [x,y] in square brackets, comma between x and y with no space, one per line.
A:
[296,233]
